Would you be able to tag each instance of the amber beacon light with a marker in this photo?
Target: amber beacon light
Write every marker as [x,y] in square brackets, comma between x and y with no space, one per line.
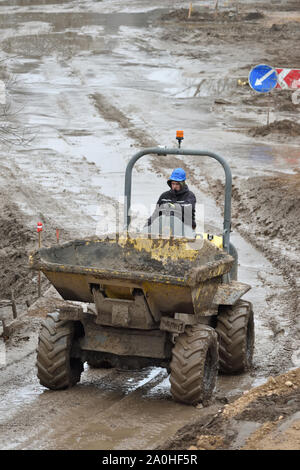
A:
[179,137]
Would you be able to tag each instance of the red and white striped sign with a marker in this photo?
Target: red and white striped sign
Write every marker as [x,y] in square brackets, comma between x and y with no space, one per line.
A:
[288,78]
[39,227]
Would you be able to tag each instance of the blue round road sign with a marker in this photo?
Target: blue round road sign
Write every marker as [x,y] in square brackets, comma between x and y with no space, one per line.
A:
[263,78]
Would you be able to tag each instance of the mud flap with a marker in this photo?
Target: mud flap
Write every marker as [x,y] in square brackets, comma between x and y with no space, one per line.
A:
[229,294]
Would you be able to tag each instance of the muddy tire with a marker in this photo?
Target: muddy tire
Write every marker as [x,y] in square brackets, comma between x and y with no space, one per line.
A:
[56,368]
[194,365]
[235,330]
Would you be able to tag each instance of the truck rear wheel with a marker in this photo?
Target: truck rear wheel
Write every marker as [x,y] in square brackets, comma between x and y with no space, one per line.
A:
[194,365]
[56,368]
[235,330]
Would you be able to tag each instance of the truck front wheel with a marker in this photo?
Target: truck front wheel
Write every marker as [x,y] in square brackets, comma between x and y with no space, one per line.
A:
[235,330]
[56,368]
[194,365]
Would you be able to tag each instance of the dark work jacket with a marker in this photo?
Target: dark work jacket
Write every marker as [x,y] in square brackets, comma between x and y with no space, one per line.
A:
[184,197]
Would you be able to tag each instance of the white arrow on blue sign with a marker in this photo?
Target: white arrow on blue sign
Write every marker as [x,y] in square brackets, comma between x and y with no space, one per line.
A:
[263,78]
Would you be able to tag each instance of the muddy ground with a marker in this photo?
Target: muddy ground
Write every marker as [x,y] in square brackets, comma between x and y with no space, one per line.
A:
[92,84]
[264,418]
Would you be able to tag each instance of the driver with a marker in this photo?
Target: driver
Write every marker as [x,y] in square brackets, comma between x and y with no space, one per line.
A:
[181,195]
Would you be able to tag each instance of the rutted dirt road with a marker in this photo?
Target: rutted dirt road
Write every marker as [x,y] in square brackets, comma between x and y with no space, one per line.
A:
[95,82]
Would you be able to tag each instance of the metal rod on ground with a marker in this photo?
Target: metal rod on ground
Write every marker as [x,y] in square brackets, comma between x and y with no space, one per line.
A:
[39,230]
[269,106]
[39,284]
[13,304]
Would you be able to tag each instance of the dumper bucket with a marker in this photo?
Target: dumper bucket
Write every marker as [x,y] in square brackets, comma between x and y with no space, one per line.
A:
[166,270]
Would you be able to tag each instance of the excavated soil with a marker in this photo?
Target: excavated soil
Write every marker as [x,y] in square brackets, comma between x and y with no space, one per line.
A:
[16,242]
[266,210]
[274,206]
[266,417]
[232,26]
[286,127]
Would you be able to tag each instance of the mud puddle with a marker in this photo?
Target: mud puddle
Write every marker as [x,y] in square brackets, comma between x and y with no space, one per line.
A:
[76,19]
[102,412]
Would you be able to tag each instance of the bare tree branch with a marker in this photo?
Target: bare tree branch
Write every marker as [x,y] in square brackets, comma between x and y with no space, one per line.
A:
[12,132]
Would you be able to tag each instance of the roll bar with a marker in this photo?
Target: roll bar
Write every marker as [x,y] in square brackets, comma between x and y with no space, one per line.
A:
[167,151]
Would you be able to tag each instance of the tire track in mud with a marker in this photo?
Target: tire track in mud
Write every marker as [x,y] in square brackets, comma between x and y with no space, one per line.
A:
[111,113]
[37,413]
[38,195]
[110,427]
[101,413]
[19,367]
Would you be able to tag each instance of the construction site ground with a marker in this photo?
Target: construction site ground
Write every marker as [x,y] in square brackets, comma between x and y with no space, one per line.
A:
[89,83]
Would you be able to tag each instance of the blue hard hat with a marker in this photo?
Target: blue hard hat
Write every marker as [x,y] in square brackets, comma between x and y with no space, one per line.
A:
[178,175]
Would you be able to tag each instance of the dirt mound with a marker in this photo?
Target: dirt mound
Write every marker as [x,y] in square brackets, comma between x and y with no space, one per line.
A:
[182,15]
[281,196]
[262,418]
[273,206]
[285,126]
[280,100]
[290,27]
[267,206]
[213,15]
[16,242]
[266,211]
[253,15]
[216,16]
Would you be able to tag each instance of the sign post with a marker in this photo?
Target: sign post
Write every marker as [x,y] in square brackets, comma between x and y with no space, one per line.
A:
[263,78]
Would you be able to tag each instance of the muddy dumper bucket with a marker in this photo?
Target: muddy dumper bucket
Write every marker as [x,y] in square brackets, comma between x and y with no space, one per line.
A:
[145,301]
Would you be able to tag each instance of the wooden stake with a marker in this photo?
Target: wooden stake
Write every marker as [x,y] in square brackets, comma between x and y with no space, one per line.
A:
[13,304]
[190,10]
